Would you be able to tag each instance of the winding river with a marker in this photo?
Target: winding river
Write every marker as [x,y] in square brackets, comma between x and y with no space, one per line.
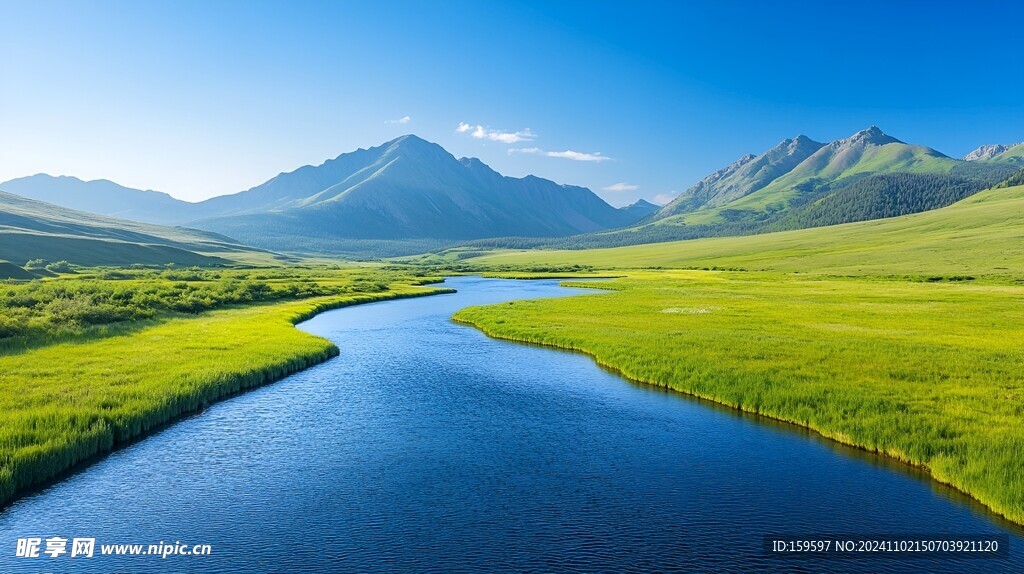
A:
[427,446]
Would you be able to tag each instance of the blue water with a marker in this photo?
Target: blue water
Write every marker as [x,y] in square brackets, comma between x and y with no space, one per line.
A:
[427,446]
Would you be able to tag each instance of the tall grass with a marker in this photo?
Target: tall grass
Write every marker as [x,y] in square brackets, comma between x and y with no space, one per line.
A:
[64,403]
[928,373]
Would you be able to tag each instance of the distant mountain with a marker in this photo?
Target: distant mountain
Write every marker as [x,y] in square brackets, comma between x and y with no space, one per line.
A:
[32,229]
[745,176]
[102,197]
[409,196]
[865,153]
[868,175]
[987,152]
[705,190]
[399,197]
[403,196]
[640,209]
[1012,155]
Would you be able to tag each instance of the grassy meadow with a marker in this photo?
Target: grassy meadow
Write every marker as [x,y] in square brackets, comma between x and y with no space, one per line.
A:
[928,373]
[981,236]
[96,360]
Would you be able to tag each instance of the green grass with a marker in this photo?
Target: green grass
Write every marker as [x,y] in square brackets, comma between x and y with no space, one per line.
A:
[103,385]
[981,235]
[928,373]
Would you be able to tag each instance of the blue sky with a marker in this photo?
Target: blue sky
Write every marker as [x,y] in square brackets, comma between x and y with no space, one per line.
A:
[204,98]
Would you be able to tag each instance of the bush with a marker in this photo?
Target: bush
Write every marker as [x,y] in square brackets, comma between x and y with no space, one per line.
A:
[70,306]
[60,267]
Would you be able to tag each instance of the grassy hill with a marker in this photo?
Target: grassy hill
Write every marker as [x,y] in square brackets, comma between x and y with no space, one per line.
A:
[9,270]
[981,235]
[35,230]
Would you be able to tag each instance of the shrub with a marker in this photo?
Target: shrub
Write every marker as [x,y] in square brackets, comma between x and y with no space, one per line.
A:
[60,267]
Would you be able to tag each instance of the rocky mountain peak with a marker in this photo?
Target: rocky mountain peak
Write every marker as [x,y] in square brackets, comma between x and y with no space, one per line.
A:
[988,151]
[872,135]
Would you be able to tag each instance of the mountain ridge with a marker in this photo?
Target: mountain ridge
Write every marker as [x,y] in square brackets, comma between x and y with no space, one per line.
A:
[744,176]
[100,196]
[409,194]
[405,189]
[866,152]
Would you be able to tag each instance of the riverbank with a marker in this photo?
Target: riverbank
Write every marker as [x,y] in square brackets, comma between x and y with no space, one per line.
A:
[928,374]
[65,404]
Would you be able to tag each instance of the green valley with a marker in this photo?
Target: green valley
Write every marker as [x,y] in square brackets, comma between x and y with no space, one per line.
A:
[511,286]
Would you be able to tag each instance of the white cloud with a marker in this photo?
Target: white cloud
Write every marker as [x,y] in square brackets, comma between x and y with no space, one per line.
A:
[665,198]
[579,156]
[530,150]
[620,187]
[480,132]
[567,154]
[400,121]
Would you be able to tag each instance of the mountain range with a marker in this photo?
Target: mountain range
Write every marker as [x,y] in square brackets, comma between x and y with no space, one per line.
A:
[410,196]
[103,197]
[802,183]
[405,195]
[800,170]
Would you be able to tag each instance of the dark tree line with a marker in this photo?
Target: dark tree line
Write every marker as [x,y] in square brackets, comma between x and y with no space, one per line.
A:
[881,196]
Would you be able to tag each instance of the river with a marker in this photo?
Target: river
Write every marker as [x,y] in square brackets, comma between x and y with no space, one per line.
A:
[426,446]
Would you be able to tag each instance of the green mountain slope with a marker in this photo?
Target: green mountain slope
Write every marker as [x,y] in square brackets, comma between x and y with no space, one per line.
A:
[745,176]
[32,229]
[1014,155]
[867,152]
[980,235]
[878,197]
